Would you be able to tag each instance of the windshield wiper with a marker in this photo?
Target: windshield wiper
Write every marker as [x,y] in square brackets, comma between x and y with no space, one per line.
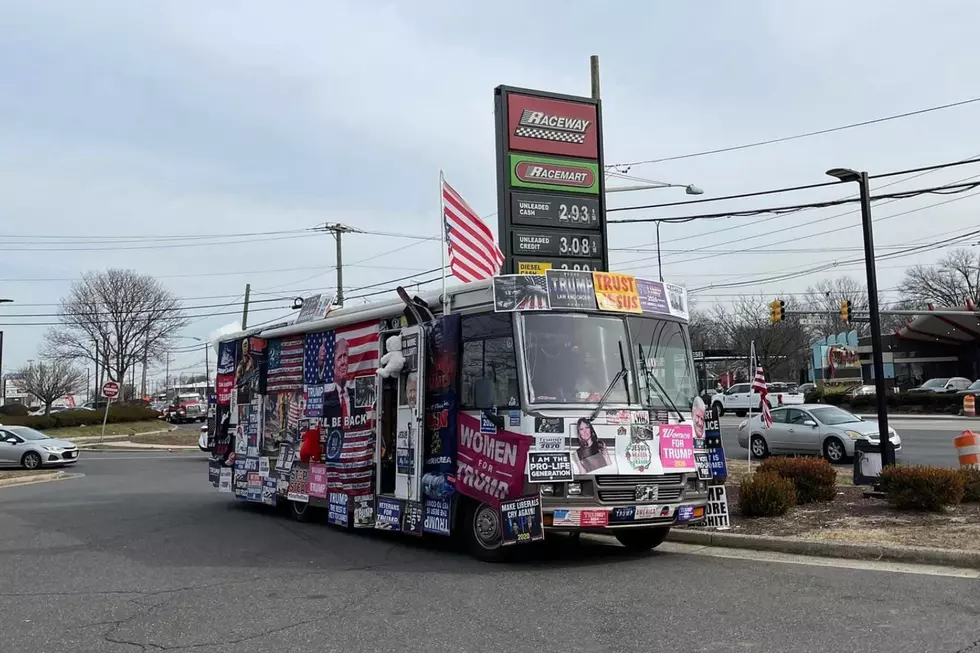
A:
[620,375]
[660,389]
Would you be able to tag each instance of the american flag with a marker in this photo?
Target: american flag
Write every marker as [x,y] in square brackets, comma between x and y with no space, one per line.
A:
[285,367]
[759,385]
[473,254]
[352,472]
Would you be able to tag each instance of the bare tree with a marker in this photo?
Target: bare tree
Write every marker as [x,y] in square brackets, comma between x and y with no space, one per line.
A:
[117,318]
[826,296]
[782,348]
[51,381]
[950,282]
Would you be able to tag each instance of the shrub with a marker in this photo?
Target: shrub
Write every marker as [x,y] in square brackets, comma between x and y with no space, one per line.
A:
[815,479]
[765,495]
[971,485]
[920,487]
[71,418]
[14,410]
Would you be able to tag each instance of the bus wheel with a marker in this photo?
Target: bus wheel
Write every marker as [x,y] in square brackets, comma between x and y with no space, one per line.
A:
[639,540]
[301,511]
[483,532]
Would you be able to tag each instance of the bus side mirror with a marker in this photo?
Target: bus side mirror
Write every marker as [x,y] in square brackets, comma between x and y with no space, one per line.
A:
[483,393]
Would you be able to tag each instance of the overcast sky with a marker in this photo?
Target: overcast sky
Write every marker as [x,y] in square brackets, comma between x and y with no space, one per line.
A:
[182,118]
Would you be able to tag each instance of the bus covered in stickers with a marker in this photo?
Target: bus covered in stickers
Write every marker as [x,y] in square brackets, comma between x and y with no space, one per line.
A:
[499,412]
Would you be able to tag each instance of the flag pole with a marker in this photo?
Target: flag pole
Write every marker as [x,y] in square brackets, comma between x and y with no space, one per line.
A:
[751,383]
[442,240]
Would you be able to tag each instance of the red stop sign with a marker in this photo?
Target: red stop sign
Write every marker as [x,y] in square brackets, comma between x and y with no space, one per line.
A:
[110,389]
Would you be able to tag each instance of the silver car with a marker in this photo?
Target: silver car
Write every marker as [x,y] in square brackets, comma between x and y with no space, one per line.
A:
[810,429]
[32,449]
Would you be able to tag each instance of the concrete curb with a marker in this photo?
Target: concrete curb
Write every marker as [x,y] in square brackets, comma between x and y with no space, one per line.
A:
[907,554]
[118,446]
[938,416]
[31,480]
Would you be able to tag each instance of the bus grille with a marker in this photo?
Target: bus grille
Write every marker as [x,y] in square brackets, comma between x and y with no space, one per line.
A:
[632,481]
[628,495]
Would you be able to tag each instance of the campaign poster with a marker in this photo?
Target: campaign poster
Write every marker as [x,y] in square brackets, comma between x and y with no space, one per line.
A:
[616,292]
[254,488]
[703,466]
[412,518]
[214,472]
[337,509]
[489,468]
[571,289]
[335,360]
[389,515]
[638,450]
[520,292]
[226,357]
[250,371]
[436,516]
[439,442]
[269,491]
[285,459]
[677,447]
[298,483]
[716,512]
[549,466]
[239,480]
[590,453]
[698,422]
[364,511]
[224,385]
[677,300]
[318,481]
[224,479]
[314,401]
[282,414]
[653,297]
[522,522]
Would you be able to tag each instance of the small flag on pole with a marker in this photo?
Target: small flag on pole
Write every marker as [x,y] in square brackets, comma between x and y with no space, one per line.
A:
[759,385]
[473,254]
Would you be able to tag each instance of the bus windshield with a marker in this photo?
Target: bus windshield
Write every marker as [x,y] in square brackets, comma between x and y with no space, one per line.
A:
[572,358]
[662,349]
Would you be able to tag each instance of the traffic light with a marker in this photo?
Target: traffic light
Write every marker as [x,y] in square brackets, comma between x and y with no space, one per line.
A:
[845,310]
[776,310]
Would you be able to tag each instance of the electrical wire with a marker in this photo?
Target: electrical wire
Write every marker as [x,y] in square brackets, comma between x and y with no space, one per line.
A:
[784,139]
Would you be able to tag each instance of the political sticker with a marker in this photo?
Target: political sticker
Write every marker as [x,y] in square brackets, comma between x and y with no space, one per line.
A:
[549,442]
[389,515]
[647,512]
[594,518]
[616,292]
[703,466]
[685,513]
[412,518]
[653,298]
[314,401]
[214,472]
[436,517]
[405,461]
[224,480]
[617,417]
[263,466]
[486,426]
[522,521]
[286,458]
[549,425]
[622,513]
[638,455]
[252,464]
[716,513]
[337,509]
[563,517]
[515,418]
[364,511]
[253,489]
[269,491]
[549,466]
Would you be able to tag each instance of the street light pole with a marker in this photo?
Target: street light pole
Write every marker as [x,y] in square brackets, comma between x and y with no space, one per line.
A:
[885,446]
[660,265]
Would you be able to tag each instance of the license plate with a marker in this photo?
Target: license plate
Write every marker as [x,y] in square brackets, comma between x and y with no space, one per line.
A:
[647,492]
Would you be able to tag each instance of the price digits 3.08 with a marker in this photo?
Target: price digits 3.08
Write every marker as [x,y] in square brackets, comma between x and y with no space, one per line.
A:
[575,245]
[575,213]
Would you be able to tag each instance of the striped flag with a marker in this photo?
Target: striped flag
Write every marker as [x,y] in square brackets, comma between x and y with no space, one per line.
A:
[759,385]
[473,254]
[285,366]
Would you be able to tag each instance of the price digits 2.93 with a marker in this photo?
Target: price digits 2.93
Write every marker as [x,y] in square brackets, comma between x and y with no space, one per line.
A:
[575,213]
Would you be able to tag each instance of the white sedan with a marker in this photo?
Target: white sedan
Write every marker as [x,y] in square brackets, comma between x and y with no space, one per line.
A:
[818,429]
[202,442]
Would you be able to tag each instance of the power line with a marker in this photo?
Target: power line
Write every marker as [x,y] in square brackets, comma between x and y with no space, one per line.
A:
[160,246]
[784,139]
[268,308]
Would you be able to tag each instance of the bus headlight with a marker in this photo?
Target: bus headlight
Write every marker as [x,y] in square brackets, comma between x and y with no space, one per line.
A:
[574,489]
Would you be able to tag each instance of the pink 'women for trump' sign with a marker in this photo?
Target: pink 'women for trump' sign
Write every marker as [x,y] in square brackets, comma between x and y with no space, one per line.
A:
[677,447]
[490,466]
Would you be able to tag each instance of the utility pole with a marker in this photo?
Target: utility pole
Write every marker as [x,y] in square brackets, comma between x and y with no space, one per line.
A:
[340,267]
[887,450]
[248,291]
[3,382]
[594,69]
[143,384]
[166,378]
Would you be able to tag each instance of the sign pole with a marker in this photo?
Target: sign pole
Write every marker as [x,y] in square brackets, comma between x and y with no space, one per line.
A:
[105,418]
[442,241]
[751,376]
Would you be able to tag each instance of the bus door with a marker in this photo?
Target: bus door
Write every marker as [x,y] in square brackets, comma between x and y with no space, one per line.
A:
[400,446]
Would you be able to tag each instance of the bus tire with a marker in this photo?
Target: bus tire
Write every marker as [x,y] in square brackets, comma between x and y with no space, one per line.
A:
[482,532]
[301,511]
[640,540]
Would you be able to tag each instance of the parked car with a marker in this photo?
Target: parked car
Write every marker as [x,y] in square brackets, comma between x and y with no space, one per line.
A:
[942,386]
[186,408]
[807,388]
[202,442]
[32,449]
[973,389]
[817,429]
[860,390]
[738,398]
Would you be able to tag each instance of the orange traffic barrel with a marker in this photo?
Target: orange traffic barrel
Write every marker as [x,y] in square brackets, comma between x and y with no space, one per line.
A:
[968,448]
[970,406]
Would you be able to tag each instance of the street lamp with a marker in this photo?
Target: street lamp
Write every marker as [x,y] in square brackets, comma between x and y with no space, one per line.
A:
[207,363]
[881,399]
[690,189]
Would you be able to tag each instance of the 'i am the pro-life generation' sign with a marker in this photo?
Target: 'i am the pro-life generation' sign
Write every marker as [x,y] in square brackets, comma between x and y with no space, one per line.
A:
[550,182]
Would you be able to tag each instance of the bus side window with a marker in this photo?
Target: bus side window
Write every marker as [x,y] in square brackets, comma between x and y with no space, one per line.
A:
[488,351]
